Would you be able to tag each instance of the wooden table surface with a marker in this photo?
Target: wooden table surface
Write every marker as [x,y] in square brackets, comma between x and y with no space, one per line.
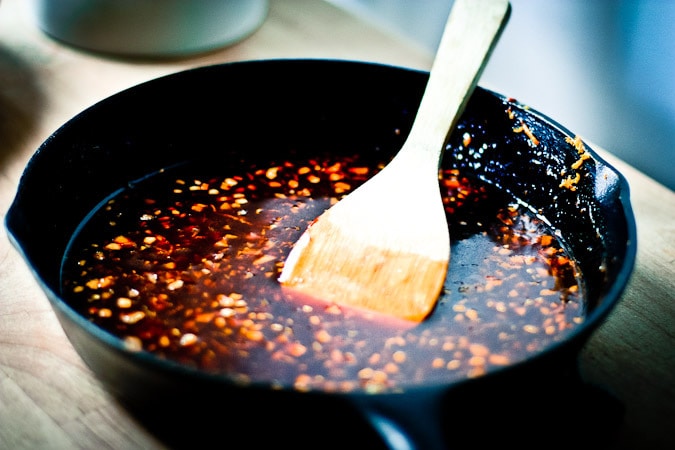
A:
[50,399]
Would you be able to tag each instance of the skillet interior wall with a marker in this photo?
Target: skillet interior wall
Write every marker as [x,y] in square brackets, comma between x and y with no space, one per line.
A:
[532,171]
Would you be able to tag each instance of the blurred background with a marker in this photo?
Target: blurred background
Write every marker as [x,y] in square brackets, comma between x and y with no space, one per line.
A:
[604,69]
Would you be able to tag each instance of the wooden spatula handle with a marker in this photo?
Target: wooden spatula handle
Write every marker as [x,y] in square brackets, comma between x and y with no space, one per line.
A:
[468,40]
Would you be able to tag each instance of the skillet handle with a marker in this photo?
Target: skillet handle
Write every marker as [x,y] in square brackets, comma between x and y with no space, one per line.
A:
[410,421]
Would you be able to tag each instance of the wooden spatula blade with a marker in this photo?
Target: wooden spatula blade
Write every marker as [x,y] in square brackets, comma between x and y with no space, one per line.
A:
[370,278]
[374,252]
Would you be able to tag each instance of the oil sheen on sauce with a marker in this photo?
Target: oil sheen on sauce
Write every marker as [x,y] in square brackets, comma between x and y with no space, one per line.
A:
[184,264]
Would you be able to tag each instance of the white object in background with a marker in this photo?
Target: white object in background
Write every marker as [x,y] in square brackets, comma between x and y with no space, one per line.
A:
[150,28]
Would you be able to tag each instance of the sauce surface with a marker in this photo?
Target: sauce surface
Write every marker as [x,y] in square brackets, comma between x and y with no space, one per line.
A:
[184,264]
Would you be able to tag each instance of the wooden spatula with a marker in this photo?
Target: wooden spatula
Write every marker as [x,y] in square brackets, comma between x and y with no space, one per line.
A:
[385,247]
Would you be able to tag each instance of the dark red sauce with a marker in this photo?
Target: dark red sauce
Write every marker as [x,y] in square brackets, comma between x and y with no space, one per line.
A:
[184,265]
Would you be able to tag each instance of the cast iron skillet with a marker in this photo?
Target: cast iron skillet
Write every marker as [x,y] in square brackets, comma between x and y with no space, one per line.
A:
[224,114]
